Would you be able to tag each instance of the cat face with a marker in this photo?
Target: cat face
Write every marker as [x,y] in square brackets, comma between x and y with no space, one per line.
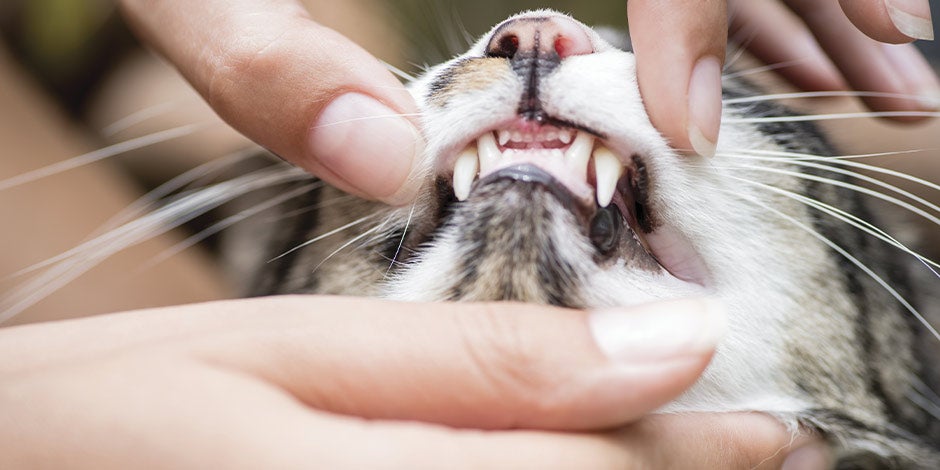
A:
[577,200]
[544,181]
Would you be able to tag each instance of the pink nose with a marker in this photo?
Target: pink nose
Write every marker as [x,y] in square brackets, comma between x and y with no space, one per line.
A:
[540,36]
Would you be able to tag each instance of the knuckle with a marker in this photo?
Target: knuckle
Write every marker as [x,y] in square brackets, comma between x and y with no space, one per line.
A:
[509,359]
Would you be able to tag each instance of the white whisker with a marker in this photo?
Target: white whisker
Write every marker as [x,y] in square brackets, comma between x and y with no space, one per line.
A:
[404,233]
[829,117]
[322,236]
[407,77]
[228,222]
[761,69]
[894,293]
[144,204]
[848,218]
[89,254]
[346,245]
[367,118]
[138,117]
[819,94]
[841,160]
[859,189]
[101,154]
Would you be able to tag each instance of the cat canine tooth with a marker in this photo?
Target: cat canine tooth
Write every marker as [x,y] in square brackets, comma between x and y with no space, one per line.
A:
[465,171]
[504,137]
[579,153]
[488,151]
[608,171]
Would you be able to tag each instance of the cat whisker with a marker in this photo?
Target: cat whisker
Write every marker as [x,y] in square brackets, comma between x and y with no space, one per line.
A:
[792,156]
[844,216]
[322,236]
[803,160]
[146,203]
[138,117]
[860,176]
[101,154]
[762,69]
[228,222]
[819,94]
[346,245]
[401,242]
[177,212]
[407,77]
[830,117]
[383,116]
[860,189]
[845,254]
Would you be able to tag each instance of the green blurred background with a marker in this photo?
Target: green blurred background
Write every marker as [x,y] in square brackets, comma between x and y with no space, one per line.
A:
[71,45]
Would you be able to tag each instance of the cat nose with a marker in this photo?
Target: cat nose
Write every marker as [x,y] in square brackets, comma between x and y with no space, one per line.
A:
[539,37]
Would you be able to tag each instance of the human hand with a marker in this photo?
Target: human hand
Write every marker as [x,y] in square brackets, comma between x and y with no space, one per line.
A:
[680,49]
[334,382]
[299,89]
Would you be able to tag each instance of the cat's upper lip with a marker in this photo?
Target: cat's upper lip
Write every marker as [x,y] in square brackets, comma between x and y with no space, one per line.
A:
[583,164]
[575,158]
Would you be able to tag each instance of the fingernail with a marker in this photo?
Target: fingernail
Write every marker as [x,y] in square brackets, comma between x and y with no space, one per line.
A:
[367,144]
[930,99]
[915,72]
[659,331]
[705,105]
[911,17]
[809,457]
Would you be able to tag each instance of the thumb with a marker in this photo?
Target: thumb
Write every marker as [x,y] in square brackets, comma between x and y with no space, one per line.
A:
[299,89]
[680,49]
[488,366]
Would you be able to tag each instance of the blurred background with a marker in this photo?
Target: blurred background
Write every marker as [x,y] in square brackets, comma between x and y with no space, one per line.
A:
[74,80]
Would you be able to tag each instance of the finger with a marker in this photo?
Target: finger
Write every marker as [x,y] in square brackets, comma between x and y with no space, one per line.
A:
[869,65]
[176,413]
[299,89]
[680,49]
[724,440]
[891,21]
[491,366]
[773,34]
[471,365]
[164,412]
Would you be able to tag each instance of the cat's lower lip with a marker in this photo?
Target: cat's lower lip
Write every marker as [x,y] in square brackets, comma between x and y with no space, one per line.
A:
[566,154]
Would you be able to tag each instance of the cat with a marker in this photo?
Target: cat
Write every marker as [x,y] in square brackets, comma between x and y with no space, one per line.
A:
[544,181]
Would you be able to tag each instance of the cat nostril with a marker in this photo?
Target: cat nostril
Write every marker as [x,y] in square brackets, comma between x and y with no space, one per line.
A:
[554,35]
[506,48]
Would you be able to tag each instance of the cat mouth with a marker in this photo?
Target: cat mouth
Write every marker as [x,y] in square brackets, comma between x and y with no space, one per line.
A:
[566,153]
[602,189]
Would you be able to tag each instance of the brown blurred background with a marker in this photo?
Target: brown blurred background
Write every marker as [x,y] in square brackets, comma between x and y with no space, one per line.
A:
[70,70]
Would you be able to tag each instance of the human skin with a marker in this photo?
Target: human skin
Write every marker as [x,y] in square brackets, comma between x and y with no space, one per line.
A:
[295,382]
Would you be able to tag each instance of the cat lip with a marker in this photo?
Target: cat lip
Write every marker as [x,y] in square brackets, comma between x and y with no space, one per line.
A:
[531,174]
[581,164]
[566,153]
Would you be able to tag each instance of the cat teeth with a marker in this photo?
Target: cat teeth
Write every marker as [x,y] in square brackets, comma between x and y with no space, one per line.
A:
[504,137]
[485,156]
[608,170]
[489,152]
[579,153]
[465,171]
[566,136]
